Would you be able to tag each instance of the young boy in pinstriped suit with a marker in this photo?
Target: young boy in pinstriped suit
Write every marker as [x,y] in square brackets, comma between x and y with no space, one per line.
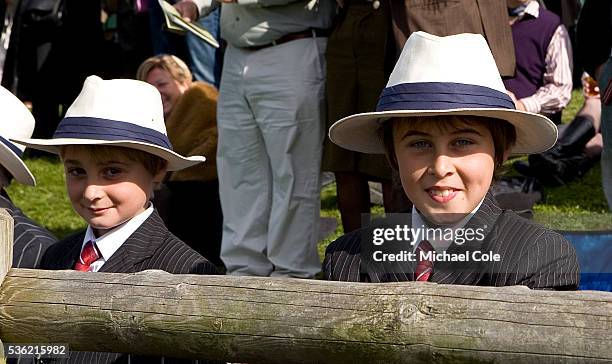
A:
[115,149]
[446,124]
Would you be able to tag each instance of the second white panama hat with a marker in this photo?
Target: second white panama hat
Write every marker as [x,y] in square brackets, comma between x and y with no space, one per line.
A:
[453,75]
[17,122]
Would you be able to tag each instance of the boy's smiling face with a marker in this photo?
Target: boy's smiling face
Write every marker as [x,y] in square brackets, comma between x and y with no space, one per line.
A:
[446,166]
[107,191]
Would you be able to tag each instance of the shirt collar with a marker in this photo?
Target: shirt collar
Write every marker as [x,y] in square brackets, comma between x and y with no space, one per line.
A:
[533,9]
[441,245]
[111,241]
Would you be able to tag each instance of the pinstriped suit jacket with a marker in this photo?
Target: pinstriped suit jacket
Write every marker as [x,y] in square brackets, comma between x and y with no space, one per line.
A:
[151,246]
[30,241]
[531,255]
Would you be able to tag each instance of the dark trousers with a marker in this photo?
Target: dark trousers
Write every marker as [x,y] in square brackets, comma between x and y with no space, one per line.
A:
[192,211]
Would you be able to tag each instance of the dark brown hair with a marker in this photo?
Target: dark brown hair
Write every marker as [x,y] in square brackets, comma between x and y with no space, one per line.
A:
[502,132]
[152,163]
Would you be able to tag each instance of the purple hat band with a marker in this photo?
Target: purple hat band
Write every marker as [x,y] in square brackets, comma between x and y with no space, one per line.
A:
[441,96]
[12,147]
[105,129]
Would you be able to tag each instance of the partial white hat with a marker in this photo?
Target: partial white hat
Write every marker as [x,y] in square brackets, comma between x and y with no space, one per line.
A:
[123,113]
[17,122]
[453,75]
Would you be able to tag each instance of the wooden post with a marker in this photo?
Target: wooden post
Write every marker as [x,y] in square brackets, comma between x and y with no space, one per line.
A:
[6,255]
[268,320]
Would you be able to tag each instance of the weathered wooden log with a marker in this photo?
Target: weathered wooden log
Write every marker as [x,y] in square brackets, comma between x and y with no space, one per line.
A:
[266,320]
[6,255]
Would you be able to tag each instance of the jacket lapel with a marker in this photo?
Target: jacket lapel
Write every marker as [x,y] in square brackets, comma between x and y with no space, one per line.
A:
[70,252]
[137,248]
[470,272]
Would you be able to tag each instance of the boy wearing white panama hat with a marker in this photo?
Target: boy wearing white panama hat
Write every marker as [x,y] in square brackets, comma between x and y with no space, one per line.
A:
[446,124]
[30,240]
[114,147]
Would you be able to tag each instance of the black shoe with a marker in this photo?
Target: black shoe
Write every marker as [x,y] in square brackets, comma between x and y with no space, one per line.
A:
[518,194]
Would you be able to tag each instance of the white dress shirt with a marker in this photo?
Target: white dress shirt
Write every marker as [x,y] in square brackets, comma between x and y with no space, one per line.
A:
[440,245]
[108,243]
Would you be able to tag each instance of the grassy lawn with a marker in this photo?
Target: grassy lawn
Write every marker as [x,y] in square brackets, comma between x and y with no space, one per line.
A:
[577,206]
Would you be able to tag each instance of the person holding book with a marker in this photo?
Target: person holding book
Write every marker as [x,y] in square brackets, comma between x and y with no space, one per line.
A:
[271,128]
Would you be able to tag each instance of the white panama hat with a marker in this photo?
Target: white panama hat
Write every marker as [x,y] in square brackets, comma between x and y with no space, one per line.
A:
[17,122]
[122,113]
[453,75]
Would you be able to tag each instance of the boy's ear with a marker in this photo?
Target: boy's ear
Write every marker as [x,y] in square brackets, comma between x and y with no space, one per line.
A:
[161,173]
[505,155]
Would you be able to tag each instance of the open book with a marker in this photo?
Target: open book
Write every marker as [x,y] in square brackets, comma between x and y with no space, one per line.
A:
[175,23]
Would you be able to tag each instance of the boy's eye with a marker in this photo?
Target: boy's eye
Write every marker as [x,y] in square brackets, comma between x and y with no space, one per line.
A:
[420,144]
[75,172]
[112,172]
[463,142]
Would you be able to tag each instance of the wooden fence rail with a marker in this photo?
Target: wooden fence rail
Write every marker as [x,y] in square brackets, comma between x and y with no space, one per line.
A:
[267,320]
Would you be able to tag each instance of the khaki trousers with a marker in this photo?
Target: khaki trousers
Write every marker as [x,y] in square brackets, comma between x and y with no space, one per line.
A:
[271,127]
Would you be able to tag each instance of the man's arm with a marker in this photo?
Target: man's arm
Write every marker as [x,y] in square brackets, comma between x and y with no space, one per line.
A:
[556,92]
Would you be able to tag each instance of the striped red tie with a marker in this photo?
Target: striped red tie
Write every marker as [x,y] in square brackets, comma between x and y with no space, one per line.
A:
[89,254]
[424,267]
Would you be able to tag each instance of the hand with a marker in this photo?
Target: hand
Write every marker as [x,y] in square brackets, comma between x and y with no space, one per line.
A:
[590,89]
[518,104]
[188,10]
[340,3]
[512,96]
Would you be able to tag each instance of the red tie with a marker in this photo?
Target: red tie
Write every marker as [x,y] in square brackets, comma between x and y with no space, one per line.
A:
[89,254]
[424,267]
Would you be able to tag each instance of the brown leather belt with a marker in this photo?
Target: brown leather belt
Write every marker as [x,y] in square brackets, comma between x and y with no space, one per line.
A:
[308,33]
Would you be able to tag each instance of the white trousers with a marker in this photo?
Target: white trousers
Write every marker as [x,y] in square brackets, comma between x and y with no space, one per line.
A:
[271,127]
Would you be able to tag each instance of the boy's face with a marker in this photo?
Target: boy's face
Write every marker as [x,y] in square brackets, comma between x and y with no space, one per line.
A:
[444,170]
[106,192]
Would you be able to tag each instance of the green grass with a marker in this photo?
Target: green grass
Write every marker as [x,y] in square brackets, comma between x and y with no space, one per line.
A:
[48,202]
[578,206]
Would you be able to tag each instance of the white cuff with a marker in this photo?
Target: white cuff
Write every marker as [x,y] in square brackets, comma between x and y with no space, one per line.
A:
[203,5]
[531,104]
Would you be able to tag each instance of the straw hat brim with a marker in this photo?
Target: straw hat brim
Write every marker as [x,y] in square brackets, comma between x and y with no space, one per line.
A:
[175,161]
[360,132]
[16,167]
